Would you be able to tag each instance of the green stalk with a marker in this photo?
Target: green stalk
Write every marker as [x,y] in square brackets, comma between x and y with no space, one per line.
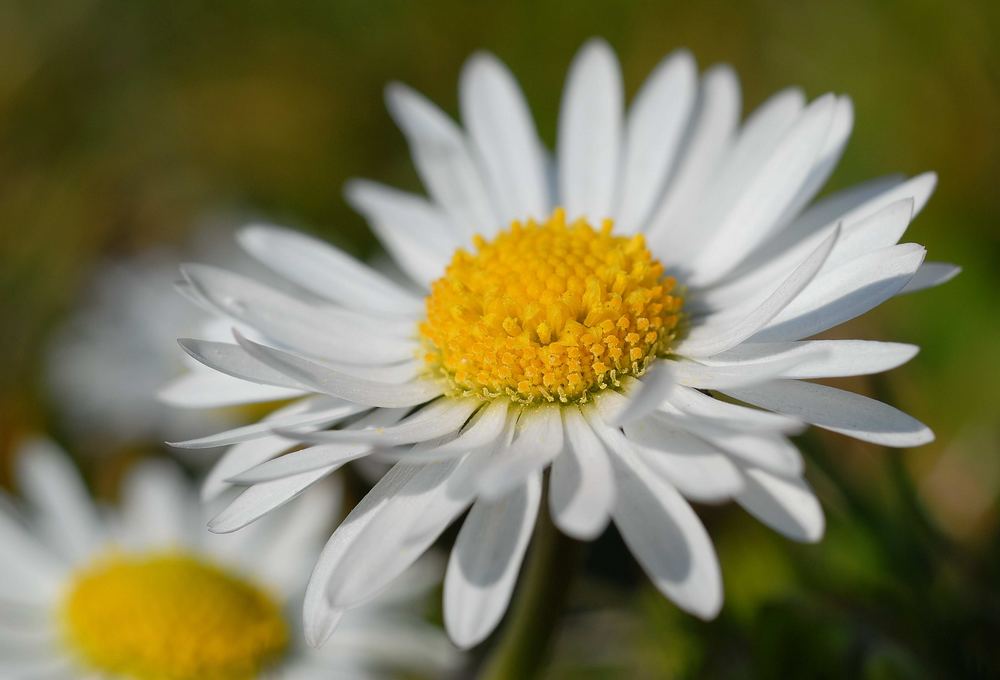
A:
[523,649]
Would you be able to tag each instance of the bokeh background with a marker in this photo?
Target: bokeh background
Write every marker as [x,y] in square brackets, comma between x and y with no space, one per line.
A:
[126,125]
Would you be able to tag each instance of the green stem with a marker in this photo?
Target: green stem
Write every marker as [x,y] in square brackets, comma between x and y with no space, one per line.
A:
[523,649]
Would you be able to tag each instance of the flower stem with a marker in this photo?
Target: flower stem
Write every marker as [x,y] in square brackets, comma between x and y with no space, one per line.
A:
[523,649]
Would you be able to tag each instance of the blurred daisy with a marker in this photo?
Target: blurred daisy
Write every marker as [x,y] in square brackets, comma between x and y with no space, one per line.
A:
[630,315]
[149,594]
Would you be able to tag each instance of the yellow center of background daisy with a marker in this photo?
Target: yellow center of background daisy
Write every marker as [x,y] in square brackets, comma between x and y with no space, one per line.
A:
[172,617]
[549,311]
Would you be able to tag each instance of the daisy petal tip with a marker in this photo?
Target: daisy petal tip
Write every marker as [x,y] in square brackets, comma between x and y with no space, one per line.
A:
[356,192]
[814,534]
[394,93]
[319,628]
[708,605]
[685,56]
[224,523]
[597,47]
[478,63]
[922,437]
[464,638]
[252,237]
[928,180]
[584,532]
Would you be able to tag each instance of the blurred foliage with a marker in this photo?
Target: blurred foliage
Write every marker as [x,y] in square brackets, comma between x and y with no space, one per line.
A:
[125,124]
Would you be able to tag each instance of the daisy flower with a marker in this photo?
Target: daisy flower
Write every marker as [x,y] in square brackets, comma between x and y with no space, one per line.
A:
[631,316]
[148,593]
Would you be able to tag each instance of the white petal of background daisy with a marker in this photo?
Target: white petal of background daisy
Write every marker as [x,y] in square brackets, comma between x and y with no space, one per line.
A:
[147,592]
[633,315]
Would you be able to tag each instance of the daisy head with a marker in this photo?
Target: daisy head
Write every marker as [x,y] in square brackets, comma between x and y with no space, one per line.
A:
[147,593]
[627,320]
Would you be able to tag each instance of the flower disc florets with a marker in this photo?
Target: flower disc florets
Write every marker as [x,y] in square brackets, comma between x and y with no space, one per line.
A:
[549,311]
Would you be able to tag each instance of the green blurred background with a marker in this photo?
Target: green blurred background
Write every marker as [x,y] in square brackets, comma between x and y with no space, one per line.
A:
[123,124]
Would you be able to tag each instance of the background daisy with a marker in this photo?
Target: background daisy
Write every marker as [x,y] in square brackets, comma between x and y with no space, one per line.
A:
[146,592]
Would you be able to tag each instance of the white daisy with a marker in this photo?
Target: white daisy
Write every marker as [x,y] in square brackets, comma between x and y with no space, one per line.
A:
[148,594]
[630,316]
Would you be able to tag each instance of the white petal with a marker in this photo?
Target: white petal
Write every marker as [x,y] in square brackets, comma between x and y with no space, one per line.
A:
[662,531]
[538,440]
[465,481]
[838,410]
[397,535]
[301,414]
[443,417]
[160,508]
[654,131]
[319,615]
[444,161]
[698,470]
[243,456]
[822,358]
[261,499]
[296,534]
[738,166]
[329,381]
[53,486]
[827,159]
[485,562]
[845,293]
[696,403]
[768,450]
[761,202]
[232,360]
[856,210]
[47,666]
[581,483]
[318,331]
[786,504]
[31,575]
[721,376]
[652,388]
[711,127]
[297,462]
[931,274]
[878,230]
[415,233]
[484,428]
[504,138]
[327,271]
[209,389]
[849,207]
[711,339]
[740,437]
[590,121]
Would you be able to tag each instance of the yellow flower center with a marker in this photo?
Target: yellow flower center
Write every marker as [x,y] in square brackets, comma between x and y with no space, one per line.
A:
[549,311]
[172,617]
